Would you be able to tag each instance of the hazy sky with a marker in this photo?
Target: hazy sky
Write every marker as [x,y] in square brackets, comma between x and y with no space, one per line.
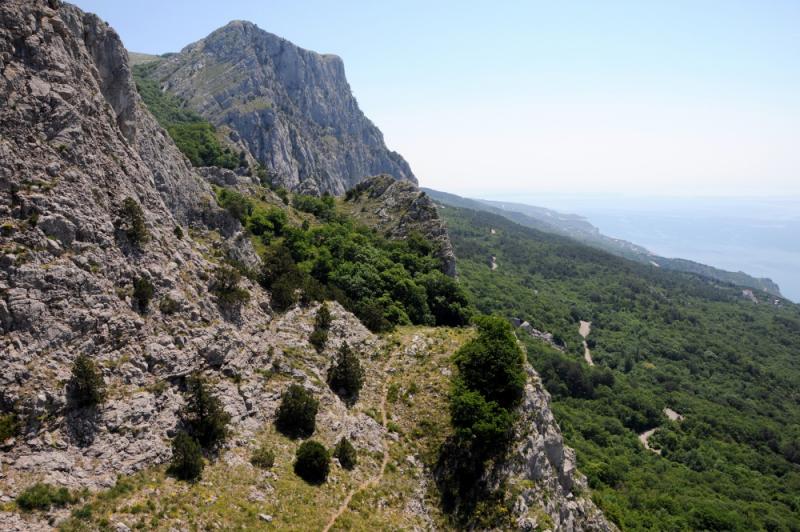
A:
[671,97]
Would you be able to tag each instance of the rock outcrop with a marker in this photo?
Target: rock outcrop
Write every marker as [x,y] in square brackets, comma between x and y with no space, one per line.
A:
[541,472]
[292,108]
[398,208]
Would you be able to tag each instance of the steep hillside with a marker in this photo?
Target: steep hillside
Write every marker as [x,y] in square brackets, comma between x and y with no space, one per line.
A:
[578,228]
[689,416]
[291,108]
[161,322]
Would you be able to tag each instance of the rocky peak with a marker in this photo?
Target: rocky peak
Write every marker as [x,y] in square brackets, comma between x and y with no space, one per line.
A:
[398,208]
[292,108]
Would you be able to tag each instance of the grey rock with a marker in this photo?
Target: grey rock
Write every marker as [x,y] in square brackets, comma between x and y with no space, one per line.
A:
[291,108]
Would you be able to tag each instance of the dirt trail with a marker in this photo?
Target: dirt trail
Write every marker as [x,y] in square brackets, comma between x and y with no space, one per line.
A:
[584,330]
[644,437]
[374,481]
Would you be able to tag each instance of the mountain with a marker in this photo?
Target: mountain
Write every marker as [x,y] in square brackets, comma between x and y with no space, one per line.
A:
[291,108]
[580,229]
[158,318]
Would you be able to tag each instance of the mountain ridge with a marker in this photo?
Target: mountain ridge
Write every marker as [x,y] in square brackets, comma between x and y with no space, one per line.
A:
[291,108]
[579,228]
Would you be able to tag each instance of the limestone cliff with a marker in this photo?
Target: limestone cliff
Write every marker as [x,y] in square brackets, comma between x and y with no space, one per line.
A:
[292,108]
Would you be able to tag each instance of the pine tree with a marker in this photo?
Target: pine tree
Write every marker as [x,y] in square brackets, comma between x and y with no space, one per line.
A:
[203,414]
[345,453]
[86,385]
[346,377]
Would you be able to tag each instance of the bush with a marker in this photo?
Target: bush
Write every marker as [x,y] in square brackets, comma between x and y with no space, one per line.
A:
[187,458]
[322,322]
[86,386]
[346,454]
[178,232]
[9,426]
[133,222]
[235,203]
[143,291]
[297,412]
[225,286]
[168,305]
[284,292]
[42,496]
[346,377]
[312,462]
[203,414]
[263,458]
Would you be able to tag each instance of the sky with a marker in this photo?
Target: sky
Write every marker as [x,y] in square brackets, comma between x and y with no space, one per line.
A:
[678,98]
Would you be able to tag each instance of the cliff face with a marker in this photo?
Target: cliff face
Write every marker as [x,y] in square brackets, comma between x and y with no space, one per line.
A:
[292,108]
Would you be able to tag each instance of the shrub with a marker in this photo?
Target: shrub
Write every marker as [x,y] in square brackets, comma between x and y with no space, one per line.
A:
[312,462]
[143,291]
[86,385]
[9,426]
[168,305]
[346,454]
[225,286]
[203,414]
[42,496]
[178,232]
[284,292]
[322,322]
[235,203]
[297,412]
[187,458]
[133,221]
[346,377]
[263,458]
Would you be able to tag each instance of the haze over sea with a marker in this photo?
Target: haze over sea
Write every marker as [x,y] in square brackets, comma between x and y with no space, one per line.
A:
[759,236]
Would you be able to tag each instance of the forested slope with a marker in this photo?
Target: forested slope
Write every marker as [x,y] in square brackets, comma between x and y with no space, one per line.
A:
[659,340]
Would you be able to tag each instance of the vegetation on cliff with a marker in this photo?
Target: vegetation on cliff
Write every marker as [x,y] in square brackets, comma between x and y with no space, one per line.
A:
[194,135]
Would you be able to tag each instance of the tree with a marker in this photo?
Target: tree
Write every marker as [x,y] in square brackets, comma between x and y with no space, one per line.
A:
[203,414]
[446,299]
[86,385]
[187,458]
[312,462]
[322,322]
[345,453]
[478,422]
[143,291]
[492,363]
[346,377]
[133,222]
[225,286]
[297,412]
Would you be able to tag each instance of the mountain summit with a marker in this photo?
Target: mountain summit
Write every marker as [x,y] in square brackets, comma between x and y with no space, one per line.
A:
[291,108]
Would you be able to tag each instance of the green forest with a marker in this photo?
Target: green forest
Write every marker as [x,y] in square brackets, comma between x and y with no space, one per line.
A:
[659,339]
[193,134]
